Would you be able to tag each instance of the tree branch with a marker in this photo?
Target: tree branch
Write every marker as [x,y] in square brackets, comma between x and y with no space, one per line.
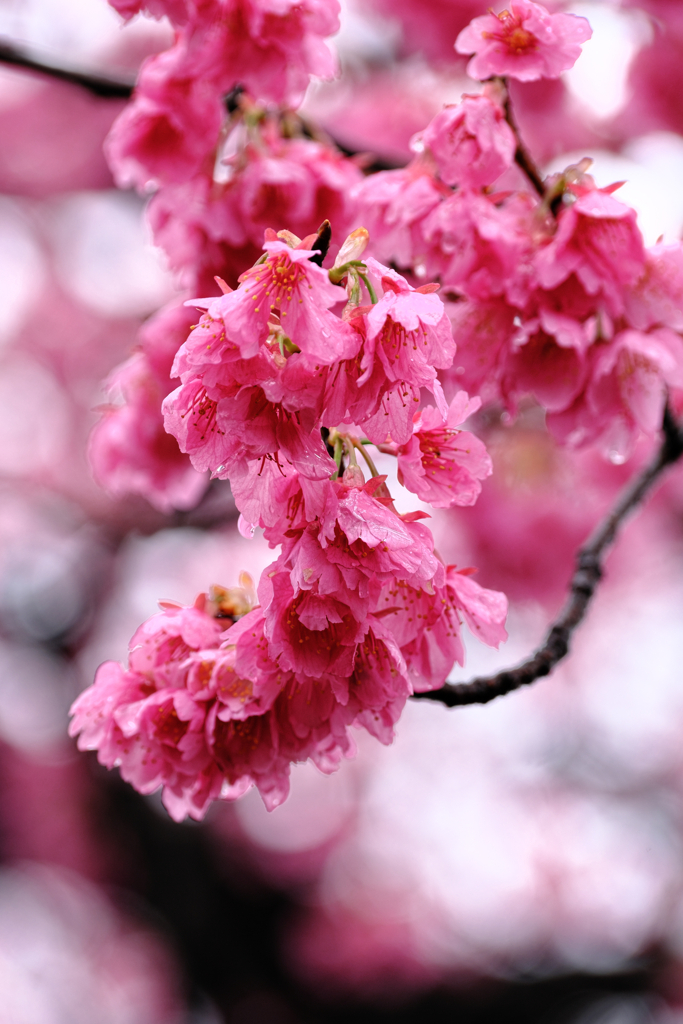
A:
[99,85]
[584,582]
[522,155]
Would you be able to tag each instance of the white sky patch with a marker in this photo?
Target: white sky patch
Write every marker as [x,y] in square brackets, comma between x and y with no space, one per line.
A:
[73,32]
[364,35]
[75,29]
[599,79]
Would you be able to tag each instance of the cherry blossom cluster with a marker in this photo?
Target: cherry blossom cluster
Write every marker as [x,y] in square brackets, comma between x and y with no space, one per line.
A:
[224,165]
[294,373]
[553,295]
[357,612]
[174,121]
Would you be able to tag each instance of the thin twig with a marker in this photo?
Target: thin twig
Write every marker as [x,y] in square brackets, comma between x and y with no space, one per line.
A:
[586,577]
[522,156]
[100,85]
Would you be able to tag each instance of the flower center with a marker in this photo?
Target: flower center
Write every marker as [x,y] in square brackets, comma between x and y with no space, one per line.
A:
[519,40]
[515,37]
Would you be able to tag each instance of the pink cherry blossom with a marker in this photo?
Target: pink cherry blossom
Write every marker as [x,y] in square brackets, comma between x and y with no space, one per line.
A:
[144,719]
[208,227]
[441,463]
[356,544]
[183,716]
[160,646]
[317,595]
[309,634]
[223,433]
[547,360]
[392,206]
[483,610]
[306,718]
[526,42]
[165,135]
[408,335]
[481,248]
[482,332]
[290,286]
[131,453]
[169,133]
[272,494]
[379,685]
[625,393]
[657,298]
[471,143]
[598,240]
[294,183]
[428,626]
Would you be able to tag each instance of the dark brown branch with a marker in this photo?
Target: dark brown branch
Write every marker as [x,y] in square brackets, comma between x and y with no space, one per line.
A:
[586,577]
[522,156]
[99,85]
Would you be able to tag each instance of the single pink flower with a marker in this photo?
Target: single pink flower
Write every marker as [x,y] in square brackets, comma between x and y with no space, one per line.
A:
[166,133]
[546,358]
[629,377]
[379,685]
[407,336]
[482,332]
[471,143]
[428,626]
[288,285]
[657,298]
[480,247]
[483,610]
[392,205]
[625,393]
[526,42]
[443,464]
[599,241]
[131,453]
[309,634]
[93,711]
[161,645]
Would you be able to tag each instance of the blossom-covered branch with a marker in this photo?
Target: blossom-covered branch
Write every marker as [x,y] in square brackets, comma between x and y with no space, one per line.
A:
[587,575]
[306,355]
